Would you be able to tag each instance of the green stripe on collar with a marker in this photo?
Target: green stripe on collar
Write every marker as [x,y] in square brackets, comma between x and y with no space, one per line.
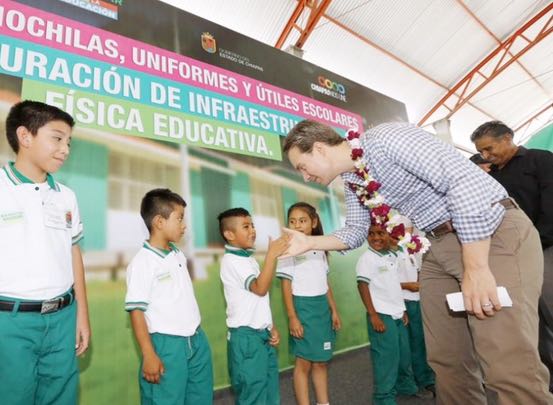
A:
[160,252]
[383,252]
[239,251]
[17,178]
[173,247]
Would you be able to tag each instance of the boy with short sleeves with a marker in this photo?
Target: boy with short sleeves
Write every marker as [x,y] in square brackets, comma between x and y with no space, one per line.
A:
[176,363]
[408,272]
[252,336]
[380,291]
[43,306]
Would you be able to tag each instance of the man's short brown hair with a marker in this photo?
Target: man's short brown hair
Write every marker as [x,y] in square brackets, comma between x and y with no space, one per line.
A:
[307,132]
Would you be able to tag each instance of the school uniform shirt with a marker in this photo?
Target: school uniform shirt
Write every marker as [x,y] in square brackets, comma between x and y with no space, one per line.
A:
[307,272]
[244,308]
[379,271]
[158,283]
[408,271]
[39,223]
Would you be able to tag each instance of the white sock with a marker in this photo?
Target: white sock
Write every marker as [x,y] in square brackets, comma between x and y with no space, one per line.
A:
[328,403]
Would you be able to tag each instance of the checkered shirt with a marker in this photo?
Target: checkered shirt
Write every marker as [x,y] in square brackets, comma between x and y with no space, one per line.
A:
[426,180]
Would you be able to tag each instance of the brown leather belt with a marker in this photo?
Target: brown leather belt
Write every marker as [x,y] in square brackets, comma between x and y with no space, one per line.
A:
[447,227]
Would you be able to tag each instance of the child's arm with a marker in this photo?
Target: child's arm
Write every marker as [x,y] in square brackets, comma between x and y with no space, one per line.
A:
[336,321]
[405,318]
[411,286]
[83,323]
[365,294]
[152,369]
[296,328]
[275,336]
[262,283]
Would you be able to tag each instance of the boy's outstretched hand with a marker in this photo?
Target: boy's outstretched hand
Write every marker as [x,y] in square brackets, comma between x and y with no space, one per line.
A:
[153,368]
[275,337]
[278,246]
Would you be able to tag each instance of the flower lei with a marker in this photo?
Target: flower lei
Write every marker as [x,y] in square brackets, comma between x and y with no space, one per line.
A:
[381,213]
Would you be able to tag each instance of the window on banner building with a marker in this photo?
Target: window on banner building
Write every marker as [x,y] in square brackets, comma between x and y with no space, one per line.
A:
[267,203]
[130,177]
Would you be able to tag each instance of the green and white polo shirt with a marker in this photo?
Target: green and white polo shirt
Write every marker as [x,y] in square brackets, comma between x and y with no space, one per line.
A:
[307,272]
[159,284]
[379,271]
[39,224]
[244,308]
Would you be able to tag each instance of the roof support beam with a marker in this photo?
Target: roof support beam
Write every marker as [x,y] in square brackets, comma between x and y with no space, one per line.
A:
[317,10]
[526,125]
[291,23]
[496,62]
[490,33]
[396,58]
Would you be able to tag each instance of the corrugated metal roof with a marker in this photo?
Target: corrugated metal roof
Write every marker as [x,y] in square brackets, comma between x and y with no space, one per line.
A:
[414,51]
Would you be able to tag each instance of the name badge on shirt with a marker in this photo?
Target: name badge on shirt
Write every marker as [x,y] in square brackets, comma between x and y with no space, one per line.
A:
[56,216]
[300,259]
[11,218]
[164,276]
[383,269]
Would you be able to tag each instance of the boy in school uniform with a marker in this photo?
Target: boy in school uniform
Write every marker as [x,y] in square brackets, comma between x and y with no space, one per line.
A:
[252,336]
[380,291]
[176,363]
[408,272]
[43,306]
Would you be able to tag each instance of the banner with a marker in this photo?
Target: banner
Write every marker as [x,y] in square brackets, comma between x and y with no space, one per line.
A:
[163,98]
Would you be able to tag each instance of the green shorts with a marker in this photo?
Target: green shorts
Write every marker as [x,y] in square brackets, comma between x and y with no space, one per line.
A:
[253,367]
[318,336]
[38,364]
[188,377]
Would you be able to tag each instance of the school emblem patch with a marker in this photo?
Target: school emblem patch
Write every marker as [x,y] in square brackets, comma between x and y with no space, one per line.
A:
[68,219]
[208,43]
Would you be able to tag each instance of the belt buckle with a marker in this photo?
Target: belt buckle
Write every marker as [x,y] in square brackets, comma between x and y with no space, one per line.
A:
[50,306]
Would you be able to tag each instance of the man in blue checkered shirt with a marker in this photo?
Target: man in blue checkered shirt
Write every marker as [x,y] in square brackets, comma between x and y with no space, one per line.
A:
[480,239]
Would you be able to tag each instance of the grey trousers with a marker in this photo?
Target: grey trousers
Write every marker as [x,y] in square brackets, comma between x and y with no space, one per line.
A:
[501,351]
[546,314]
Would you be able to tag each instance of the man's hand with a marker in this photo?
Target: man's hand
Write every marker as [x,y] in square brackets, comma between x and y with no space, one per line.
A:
[298,242]
[296,328]
[153,368]
[278,246]
[480,293]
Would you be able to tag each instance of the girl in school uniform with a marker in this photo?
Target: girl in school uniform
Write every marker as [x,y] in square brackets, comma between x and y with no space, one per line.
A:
[312,315]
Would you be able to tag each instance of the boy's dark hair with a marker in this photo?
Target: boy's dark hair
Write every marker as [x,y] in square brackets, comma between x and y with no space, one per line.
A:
[160,201]
[495,129]
[307,132]
[312,212]
[225,216]
[32,115]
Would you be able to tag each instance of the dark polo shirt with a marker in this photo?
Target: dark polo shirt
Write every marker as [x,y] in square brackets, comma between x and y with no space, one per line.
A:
[528,178]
